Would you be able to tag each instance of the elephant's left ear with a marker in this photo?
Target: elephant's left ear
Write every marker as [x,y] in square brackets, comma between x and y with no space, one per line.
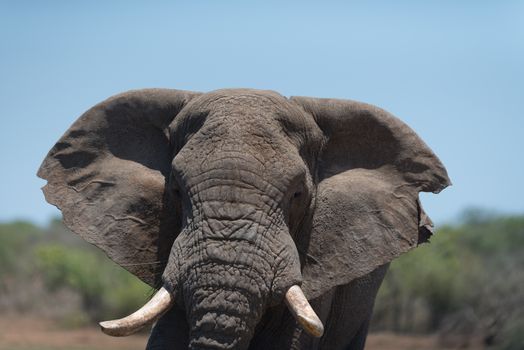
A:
[370,171]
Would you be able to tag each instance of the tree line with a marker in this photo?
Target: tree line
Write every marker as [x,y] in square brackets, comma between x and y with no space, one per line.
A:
[466,285]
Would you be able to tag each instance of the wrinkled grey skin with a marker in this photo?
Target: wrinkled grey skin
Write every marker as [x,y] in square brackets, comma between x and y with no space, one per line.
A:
[229,198]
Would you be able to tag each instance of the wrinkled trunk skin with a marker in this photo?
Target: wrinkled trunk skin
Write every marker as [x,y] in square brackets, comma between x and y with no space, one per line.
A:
[224,316]
[227,289]
[228,278]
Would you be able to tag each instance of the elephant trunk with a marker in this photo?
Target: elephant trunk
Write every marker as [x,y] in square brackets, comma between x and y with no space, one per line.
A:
[224,306]
[214,327]
[225,297]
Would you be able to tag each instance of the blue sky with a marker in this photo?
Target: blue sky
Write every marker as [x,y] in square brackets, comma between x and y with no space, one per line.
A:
[454,71]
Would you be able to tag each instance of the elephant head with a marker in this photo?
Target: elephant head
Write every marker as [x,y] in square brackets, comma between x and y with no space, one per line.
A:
[235,201]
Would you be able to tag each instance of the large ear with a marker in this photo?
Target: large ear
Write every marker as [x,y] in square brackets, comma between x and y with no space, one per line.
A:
[108,175]
[370,172]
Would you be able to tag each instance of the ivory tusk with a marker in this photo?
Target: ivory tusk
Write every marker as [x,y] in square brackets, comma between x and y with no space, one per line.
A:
[303,312]
[150,312]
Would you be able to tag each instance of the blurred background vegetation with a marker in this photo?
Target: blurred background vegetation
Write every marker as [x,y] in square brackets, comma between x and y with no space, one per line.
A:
[466,286]
[52,273]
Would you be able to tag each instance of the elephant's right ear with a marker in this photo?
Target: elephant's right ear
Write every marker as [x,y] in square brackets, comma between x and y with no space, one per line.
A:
[370,171]
[108,175]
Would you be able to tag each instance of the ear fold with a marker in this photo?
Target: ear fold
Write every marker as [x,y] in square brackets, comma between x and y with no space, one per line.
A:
[108,175]
[370,171]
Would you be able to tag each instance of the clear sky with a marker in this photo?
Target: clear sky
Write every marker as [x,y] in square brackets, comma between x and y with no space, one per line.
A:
[453,70]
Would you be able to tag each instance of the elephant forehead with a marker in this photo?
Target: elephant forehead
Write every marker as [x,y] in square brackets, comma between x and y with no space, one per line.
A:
[238,114]
[243,97]
[252,132]
[252,165]
[240,110]
[226,140]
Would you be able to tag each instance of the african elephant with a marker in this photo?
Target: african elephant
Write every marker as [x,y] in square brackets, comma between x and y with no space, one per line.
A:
[237,204]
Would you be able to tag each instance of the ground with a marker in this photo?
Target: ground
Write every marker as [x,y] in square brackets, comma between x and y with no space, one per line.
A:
[38,334]
[25,333]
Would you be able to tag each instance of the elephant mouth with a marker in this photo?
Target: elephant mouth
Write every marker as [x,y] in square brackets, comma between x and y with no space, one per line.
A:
[163,300]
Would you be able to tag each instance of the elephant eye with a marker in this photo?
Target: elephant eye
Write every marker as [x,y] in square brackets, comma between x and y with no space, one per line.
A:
[295,198]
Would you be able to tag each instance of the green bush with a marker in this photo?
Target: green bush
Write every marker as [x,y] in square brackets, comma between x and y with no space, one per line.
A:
[16,238]
[106,290]
[60,261]
[468,280]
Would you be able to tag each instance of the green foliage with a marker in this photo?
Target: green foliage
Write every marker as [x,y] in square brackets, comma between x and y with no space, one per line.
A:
[64,262]
[468,280]
[15,238]
[105,289]
[70,267]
